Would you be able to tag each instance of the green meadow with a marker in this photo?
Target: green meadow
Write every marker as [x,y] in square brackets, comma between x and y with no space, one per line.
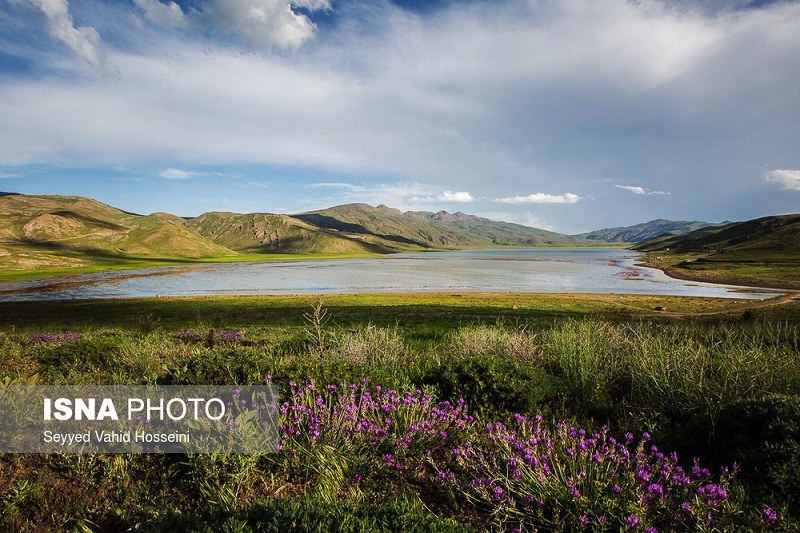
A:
[715,380]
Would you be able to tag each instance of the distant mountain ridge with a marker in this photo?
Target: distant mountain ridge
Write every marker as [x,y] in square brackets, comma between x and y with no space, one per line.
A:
[766,237]
[646,230]
[426,230]
[764,252]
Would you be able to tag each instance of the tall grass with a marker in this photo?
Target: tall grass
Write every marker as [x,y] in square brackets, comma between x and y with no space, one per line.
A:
[518,343]
[594,370]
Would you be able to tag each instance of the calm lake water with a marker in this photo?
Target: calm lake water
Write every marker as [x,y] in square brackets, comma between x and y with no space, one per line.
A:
[545,270]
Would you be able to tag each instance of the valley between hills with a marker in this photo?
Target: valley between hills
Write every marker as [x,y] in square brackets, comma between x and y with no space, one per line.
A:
[48,235]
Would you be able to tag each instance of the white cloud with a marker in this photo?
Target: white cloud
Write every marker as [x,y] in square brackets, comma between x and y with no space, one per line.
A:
[632,188]
[541,198]
[84,41]
[177,174]
[257,23]
[457,197]
[169,15]
[462,197]
[404,195]
[787,179]
[636,189]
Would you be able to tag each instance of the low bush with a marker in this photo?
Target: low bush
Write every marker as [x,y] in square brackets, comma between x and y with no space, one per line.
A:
[497,386]
[84,355]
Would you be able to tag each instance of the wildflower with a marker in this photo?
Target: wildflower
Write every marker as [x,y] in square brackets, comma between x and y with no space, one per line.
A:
[497,494]
[632,520]
[769,516]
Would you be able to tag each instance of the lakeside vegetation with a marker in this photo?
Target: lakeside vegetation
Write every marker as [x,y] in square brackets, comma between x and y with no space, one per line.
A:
[718,380]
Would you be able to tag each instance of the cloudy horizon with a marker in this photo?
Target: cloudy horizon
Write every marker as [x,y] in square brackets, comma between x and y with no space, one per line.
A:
[567,115]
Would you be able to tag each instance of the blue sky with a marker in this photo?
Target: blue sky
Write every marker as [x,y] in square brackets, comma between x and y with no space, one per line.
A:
[569,115]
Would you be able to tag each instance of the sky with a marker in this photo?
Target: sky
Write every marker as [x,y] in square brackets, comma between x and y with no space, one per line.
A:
[567,115]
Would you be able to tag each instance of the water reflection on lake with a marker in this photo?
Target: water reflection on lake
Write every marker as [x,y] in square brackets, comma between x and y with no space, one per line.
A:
[545,270]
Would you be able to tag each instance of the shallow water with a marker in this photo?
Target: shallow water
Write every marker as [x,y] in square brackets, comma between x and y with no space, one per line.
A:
[544,270]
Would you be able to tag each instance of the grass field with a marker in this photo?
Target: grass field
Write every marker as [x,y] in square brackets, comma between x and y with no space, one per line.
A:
[752,271]
[701,378]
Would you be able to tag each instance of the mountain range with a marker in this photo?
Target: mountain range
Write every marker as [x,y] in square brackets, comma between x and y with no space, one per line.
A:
[647,230]
[47,232]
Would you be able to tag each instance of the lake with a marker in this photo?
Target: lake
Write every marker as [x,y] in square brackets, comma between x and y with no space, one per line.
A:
[542,270]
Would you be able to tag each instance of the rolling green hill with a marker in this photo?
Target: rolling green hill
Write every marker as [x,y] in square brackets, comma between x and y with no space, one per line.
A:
[267,233]
[40,232]
[424,230]
[43,233]
[764,251]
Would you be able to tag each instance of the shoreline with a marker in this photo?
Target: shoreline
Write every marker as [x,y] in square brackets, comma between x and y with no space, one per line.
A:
[674,272]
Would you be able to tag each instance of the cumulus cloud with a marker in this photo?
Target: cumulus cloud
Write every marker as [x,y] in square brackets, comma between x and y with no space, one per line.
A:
[257,23]
[458,197]
[462,197]
[787,179]
[84,41]
[541,198]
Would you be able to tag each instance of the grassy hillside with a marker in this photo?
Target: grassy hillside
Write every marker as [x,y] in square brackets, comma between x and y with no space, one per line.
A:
[647,230]
[421,229]
[45,232]
[267,233]
[764,252]
[48,235]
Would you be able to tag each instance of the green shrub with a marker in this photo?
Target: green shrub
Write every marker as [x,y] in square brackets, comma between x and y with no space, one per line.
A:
[219,366]
[495,386]
[85,355]
[333,371]
[763,435]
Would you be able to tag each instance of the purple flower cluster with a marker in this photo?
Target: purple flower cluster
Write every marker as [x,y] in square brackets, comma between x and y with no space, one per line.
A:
[57,339]
[366,416]
[536,475]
